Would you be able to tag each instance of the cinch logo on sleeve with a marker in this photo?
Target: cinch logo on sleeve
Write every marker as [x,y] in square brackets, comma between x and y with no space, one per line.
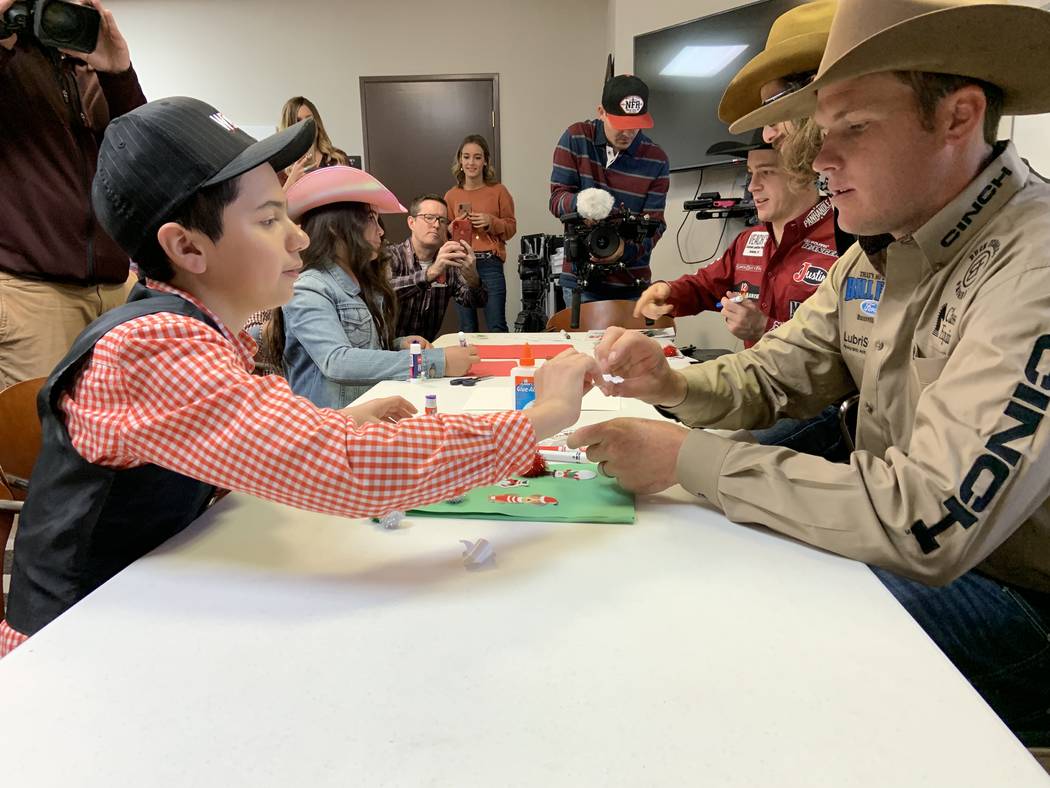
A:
[991,470]
[810,274]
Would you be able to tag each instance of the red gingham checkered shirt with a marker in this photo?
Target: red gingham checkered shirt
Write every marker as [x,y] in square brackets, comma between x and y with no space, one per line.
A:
[169,390]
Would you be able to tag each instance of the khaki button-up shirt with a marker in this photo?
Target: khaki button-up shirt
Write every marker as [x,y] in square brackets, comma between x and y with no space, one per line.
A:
[946,335]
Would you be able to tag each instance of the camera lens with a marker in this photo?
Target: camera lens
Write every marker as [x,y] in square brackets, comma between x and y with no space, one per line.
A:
[60,22]
[603,241]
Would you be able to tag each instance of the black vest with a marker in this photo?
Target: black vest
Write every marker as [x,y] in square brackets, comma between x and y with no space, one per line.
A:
[82,523]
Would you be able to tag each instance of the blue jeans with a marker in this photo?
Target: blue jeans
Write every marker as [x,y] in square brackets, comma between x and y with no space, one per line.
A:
[490,269]
[820,435]
[997,636]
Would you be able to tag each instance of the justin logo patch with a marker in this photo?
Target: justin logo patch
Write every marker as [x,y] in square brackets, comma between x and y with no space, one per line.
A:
[223,121]
[810,274]
[756,244]
[632,105]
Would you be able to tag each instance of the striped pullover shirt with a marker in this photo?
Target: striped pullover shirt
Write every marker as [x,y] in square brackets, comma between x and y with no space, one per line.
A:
[638,178]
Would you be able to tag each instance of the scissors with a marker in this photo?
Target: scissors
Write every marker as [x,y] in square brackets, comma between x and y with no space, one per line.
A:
[467,381]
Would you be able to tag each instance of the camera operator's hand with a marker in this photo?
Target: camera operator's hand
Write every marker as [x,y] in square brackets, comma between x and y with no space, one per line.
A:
[653,302]
[111,54]
[744,319]
[460,359]
[614,257]
[640,361]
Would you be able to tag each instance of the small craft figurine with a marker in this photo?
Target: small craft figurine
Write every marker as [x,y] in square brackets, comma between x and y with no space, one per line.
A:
[539,500]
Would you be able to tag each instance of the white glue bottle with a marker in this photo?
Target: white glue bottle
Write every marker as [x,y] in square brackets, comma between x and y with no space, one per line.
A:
[415,369]
[524,377]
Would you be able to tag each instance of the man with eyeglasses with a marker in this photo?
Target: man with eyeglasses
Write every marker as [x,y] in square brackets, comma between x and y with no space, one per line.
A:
[427,269]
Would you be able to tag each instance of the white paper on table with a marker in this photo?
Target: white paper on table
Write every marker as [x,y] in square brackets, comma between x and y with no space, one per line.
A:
[499,399]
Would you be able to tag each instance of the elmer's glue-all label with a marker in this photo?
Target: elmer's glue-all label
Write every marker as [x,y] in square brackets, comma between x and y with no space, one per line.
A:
[524,379]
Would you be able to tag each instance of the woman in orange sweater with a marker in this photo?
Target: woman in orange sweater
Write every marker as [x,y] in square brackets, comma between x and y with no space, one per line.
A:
[480,198]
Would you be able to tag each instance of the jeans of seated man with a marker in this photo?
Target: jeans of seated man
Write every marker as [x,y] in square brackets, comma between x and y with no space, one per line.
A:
[997,636]
[585,298]
[820,435]
[490,270]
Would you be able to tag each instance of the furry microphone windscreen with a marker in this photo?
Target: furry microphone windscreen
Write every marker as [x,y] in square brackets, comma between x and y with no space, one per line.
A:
[594,204]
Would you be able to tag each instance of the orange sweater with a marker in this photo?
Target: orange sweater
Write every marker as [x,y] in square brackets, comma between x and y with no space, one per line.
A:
[495,200]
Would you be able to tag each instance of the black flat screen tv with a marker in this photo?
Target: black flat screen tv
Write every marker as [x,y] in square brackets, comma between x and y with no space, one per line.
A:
[687,68]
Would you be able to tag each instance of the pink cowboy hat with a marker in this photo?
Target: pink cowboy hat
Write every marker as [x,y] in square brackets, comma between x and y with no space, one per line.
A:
[340,184]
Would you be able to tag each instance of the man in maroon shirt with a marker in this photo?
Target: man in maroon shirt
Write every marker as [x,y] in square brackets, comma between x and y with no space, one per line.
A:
[768,270]
[58,269]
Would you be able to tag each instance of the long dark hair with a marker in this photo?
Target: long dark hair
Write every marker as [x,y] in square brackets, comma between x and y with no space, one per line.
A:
[337,236]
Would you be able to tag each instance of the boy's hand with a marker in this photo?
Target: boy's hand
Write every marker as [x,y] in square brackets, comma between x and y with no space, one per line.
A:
[560,386]
[653,302]
[640,361]
[385,409]
[641,454]
[460,359]
[111,54]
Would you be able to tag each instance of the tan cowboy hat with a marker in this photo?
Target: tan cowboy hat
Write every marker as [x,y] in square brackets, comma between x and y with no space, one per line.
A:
[1006,45]
[795,45]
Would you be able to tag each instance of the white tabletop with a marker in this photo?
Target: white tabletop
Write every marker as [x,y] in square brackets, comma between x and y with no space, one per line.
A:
[266,646]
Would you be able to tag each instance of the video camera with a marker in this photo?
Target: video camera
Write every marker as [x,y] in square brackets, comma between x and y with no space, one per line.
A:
[54,23]
[596,230]
[536,274]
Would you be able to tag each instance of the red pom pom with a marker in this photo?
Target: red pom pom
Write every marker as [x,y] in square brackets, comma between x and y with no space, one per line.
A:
[670,351]
[538,468]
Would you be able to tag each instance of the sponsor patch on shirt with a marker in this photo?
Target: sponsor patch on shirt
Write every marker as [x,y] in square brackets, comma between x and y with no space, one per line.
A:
[946,318]
[756,244]
[793,307]
[747,289]
[810,274]
[983,254]
[820,210]
[818,248]
[858,343]
[748,267]
[863,288]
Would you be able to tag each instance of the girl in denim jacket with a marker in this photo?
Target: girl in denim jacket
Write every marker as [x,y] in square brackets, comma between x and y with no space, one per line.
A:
[338,329]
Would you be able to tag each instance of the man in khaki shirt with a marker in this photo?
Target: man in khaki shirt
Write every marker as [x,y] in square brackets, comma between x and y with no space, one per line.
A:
[939,316]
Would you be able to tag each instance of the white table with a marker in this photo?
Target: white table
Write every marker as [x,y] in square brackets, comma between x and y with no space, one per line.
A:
[265,646]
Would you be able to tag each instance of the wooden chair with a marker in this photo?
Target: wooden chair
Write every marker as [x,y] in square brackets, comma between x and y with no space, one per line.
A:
[603,314]
[9,507]
[19,433]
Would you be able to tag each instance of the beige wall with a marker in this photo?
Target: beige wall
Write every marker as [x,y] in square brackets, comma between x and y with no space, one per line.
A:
[248,56]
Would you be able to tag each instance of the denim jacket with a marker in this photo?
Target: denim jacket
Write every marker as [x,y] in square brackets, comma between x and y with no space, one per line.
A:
[332,351]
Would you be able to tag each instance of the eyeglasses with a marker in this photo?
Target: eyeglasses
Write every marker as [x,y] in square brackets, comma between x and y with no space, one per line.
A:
[431,218]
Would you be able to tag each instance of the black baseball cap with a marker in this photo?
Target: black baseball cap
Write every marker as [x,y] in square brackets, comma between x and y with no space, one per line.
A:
[156,157]
[625,100]
[738,149]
